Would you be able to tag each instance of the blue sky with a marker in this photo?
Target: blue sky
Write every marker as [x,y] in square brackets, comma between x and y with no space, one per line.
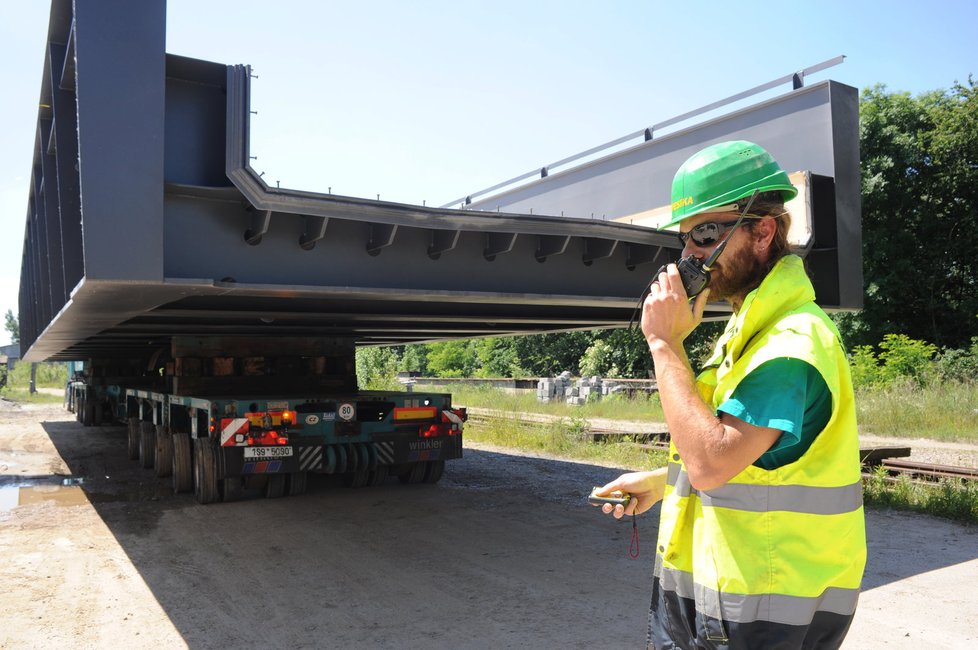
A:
[429,101]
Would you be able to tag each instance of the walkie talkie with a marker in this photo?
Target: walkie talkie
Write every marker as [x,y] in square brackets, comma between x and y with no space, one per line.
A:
[695,273]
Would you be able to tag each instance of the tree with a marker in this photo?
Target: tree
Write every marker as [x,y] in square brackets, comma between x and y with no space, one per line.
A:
[12,326]
[453,358]
[919,216]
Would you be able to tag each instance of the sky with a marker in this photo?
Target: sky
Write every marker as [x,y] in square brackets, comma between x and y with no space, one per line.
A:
[428,101]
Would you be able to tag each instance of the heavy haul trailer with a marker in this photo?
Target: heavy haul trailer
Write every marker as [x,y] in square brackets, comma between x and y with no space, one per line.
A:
[225,444]
[154,252]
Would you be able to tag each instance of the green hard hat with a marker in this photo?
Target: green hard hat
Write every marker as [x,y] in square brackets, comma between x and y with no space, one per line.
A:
[721,175]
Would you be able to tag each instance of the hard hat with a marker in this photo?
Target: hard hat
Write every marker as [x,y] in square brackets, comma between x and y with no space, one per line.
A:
[720,175]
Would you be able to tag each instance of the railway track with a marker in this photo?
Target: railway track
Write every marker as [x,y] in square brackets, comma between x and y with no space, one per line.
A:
[654,436]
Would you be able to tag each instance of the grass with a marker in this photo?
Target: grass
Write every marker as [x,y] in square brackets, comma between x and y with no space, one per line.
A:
[615,407]
[22,394]
[938,412]
[944,412]
[950,499]
[562,438]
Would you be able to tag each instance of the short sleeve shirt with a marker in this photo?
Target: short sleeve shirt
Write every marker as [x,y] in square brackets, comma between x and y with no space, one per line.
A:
[786,394]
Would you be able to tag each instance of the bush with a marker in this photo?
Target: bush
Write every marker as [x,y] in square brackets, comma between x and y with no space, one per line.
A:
[901,358]
[377,369]
[957,365]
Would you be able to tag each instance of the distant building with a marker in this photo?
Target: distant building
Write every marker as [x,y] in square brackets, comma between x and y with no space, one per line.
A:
[10,354]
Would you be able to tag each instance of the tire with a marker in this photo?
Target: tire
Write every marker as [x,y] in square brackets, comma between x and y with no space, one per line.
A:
[378,475]
[275,488]
[133,441]
[147,444]
[205,471]
[296,484]
[414,473]
[433,471]
[88,413]
[164,452]
[182,467]
[357,479]
[231,489]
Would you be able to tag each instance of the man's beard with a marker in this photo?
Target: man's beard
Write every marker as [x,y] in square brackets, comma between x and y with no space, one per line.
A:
[736,276]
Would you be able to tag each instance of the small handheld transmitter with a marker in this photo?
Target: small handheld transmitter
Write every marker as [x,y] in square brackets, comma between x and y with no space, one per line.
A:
[616,498]
[695,273]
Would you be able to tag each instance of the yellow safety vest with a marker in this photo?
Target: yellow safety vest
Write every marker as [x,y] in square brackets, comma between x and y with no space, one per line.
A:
[770,548]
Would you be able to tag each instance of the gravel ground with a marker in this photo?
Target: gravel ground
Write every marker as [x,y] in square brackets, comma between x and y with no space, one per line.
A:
[502,553]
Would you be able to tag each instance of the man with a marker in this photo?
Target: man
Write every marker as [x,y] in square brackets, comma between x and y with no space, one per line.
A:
[761,537]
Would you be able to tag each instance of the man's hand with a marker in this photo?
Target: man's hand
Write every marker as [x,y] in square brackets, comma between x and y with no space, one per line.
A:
[666,314]
[646,489]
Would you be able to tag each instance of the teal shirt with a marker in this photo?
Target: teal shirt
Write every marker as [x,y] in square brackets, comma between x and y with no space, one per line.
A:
[786,394]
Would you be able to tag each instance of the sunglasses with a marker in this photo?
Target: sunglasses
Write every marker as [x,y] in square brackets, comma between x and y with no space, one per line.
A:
[707,233]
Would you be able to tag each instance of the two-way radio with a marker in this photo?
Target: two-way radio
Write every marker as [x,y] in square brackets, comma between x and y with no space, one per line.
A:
[694,272]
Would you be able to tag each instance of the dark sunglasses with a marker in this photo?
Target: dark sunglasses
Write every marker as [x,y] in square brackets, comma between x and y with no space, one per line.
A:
[706,233]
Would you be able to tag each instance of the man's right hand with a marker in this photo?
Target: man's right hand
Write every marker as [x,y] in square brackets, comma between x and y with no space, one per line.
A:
[646,489]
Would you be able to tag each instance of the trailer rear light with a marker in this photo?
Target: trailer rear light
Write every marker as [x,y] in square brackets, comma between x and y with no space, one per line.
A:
[269,419]
[438,430]
[414,413]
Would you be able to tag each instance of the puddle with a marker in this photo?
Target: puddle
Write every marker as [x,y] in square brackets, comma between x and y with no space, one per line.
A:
[66,493]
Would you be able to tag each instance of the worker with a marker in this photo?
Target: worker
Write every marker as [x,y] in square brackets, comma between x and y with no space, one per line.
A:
[762,539]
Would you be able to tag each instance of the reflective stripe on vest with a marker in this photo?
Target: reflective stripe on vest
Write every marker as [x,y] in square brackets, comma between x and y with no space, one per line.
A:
[762,498]
[747,608]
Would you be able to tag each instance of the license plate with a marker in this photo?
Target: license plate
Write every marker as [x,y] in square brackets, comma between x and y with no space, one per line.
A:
[267,452]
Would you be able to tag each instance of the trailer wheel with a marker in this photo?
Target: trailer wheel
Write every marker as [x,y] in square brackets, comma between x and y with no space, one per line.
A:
[433,471]
[133,441]
[378,475]
[205,471]
[414,473]
[98,418]
[88,412]
[147,444]
[182,470]
[275,488]
[340,459]
[297,484]
[357,479]
[231,489]
[164,452]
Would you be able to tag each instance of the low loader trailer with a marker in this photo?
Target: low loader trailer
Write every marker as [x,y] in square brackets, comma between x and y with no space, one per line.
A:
[261,422]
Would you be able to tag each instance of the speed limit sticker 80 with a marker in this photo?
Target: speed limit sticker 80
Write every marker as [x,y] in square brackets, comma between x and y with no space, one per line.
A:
[346,411]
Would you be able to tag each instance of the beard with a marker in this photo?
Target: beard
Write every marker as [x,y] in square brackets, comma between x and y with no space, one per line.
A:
[736,276]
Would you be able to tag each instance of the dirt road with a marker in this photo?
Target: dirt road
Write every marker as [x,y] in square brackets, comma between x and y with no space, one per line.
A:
[502,553]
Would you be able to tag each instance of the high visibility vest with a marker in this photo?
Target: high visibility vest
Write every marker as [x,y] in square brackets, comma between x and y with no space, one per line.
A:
[770,549]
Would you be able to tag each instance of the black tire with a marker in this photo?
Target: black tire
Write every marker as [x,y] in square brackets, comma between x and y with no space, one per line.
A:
[164,452]
[147,444]
[414,473]
[275,488]
[296,484]
[378,475]
[357,479]
[231,489]
[98,417]
[340,459]
[182,468]
[88,413]
[205,471]
[133,441]
[433,471]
